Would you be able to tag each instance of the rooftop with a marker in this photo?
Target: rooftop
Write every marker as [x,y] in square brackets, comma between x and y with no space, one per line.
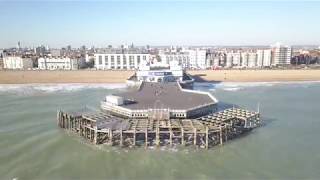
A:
[164,96]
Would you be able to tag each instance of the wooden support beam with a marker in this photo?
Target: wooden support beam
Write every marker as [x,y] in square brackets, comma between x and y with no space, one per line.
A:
[58,117]
[157,136]
[134,137]
[110,137]
[146,137]
[182,136]
[195,136]
[121,138]
[226,133]
[170,140]
[95,135]
[221,140]
[207,137]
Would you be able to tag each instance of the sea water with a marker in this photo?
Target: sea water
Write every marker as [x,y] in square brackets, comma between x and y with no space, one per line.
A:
[287,146]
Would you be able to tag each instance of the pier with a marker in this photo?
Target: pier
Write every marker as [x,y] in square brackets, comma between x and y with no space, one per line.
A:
[102,127]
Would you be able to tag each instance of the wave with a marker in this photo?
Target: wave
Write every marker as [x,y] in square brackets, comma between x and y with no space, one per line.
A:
[236,86]
[53,88]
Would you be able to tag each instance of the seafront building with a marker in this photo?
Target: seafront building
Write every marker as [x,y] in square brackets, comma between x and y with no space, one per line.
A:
[189,58]
[60,63]
[182,57]
[281,54]
[105,61]
[198,58]
[17,62]
[229,60]
[264,58]
[252,59]
[1,59]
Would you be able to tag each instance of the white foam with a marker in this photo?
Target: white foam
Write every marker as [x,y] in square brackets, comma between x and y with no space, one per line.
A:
[232,89]
[52,88]
[236,86]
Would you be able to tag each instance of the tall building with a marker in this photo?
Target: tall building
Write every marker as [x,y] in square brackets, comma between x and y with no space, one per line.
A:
[281,54]
[260,58]
[264,58]
[236,59]
[229,60]
[244,59]
[267,58]
[183,58]
[198,58]
[252,59]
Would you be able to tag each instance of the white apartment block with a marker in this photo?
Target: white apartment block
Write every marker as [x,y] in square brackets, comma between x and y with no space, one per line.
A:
[119,61]
[244,59]
[281,54]
[236,59]
[267,58]
[252,59]
[182,58]
[229,60]
[198,58]
[57,63]
[17,62]
[264,58]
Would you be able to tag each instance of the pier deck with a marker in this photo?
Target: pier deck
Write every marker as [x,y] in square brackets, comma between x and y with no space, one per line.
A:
[99,127]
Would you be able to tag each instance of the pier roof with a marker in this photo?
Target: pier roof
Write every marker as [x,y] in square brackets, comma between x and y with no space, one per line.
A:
[165,96]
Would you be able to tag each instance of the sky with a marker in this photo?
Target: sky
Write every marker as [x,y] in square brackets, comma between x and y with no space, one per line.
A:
[100,23]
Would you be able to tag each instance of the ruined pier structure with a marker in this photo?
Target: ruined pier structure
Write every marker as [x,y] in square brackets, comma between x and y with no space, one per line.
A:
[101,127]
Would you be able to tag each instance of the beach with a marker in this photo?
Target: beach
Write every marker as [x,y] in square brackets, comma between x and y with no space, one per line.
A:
[92,76]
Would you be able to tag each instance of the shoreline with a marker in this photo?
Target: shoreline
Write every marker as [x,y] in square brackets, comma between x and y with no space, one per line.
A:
[114,76]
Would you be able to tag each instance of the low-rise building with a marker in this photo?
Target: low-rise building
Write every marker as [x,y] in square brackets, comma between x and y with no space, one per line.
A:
[104,61]
[17,62]
[65,63]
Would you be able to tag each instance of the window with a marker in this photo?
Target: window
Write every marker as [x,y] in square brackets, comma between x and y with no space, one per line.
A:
[106,60]
[112,60]
[118,60]
[144,57]
[100,59]
[138,60]
[131,61]
[124,58]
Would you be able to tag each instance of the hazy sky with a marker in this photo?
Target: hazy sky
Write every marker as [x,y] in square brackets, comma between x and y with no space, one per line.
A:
[158,23]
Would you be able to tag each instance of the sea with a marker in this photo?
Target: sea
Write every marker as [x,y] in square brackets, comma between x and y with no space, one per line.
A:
[286,146]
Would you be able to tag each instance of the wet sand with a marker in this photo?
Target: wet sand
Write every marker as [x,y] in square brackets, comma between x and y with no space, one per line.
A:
[86,76]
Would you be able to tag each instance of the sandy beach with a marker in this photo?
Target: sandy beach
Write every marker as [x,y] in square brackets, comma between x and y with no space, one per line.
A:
[86,76]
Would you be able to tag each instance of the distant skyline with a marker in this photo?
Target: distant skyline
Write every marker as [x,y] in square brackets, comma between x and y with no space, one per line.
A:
[99,24]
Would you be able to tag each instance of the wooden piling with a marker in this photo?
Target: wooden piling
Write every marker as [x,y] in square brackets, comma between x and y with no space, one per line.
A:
[95,135]
[121,137]
[182,136]
[207,137]
[170,136]
[157,137]
[111,137]
[221,140]
[195,137]
[146,137]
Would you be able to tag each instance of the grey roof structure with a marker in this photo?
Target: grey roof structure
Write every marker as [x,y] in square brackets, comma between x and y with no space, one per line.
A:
[164,96]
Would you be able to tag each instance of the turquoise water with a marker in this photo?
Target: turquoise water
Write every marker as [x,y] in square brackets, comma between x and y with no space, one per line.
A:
[286,147]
